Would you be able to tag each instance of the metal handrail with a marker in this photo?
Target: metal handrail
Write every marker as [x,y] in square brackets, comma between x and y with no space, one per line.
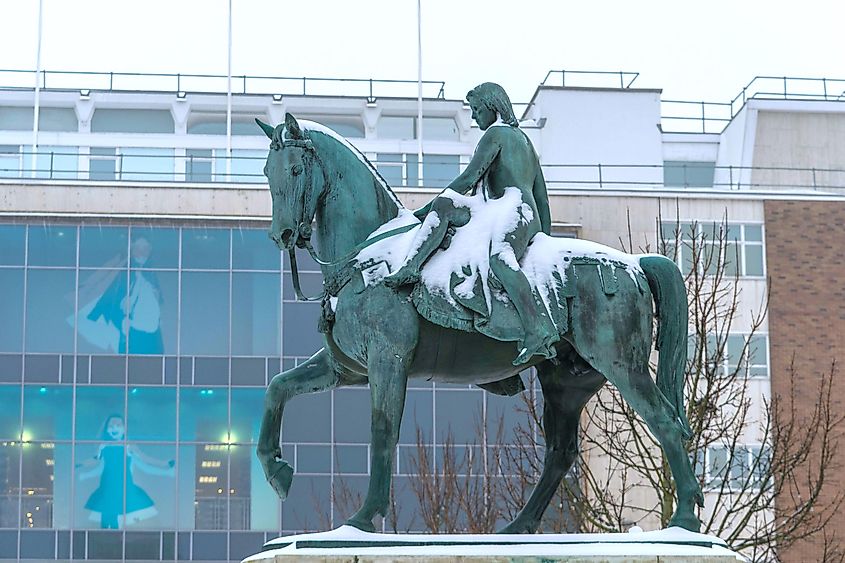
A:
[622,74]
[192,83]
[558,175]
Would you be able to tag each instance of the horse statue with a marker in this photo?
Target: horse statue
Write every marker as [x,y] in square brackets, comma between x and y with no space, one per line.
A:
[602,300]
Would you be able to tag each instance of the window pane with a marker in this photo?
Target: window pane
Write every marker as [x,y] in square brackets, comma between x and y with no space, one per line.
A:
[736,345]
[203,414]
[10,421]
[396,127]
[132,121]
[391,168]
[198,165]
[100,322]
[682,173]
[12,243]
[103,247]
[440,128]
[152,413]
[9,484]
[247,166]
[45,501]
[440,169]
[718,464]
[247,410]
[49,311]
[99,413]
[152,303]
[753,233]
[57,162]
[147,164]
[102,164]
[252,249]
[52,245]
[256,314]
[205,248]
[11,310]
[46,412]
[205,313]
[155,247]
[753,260]
[301,337]
[732,258]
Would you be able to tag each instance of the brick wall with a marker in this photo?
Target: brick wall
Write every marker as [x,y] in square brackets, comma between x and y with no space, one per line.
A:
[805,255]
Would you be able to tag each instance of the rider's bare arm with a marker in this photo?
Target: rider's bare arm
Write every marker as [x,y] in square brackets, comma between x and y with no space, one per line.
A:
[541,198]
[486,152]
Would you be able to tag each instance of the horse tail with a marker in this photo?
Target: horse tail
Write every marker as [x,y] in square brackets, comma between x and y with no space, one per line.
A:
[670,298]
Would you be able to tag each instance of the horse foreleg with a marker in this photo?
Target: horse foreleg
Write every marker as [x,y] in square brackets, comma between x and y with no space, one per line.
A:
[566,389]
[316,374]
[388,377]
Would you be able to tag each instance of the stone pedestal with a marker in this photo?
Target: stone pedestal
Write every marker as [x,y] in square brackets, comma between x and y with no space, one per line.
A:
[348,545]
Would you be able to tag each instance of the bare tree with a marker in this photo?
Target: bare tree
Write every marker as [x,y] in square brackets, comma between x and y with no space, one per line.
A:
[763,465]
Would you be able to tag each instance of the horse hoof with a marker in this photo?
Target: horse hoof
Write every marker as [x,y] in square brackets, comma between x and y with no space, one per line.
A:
[280,476]
[516,527]
[361,524]
[687,522]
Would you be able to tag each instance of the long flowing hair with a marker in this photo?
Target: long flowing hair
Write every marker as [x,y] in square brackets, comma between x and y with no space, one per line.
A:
[494,97]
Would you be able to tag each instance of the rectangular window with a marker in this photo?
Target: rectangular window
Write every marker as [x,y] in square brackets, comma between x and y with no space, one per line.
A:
[402,128]
[737,247]
[132,121]
[440,169]
[741,354]
[146,164]
[57,162]
[743,467]
[102,163]
[678,173]
[198,165]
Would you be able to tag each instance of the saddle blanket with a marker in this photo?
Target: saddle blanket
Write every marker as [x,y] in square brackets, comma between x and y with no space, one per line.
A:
[458,290]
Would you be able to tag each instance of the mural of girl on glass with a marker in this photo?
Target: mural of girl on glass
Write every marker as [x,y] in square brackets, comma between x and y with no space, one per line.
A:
[106,503]
[119,315]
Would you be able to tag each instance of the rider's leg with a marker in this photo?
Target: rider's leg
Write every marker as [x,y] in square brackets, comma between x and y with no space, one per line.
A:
[538,338]
[443,216]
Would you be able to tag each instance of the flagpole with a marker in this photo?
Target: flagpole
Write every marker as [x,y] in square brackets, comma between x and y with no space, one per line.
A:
[419,96]
[229,101]
[37,106]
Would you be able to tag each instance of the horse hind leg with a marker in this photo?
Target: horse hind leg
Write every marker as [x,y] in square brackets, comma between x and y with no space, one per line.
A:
[566,389]
[641,392]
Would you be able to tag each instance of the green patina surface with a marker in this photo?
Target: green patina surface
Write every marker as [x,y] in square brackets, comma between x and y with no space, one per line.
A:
[376,336]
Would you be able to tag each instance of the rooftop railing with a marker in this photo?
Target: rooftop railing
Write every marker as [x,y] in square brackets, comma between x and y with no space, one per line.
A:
[183,84]
[220,169]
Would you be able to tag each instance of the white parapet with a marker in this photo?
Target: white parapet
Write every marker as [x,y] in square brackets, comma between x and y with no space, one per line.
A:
[349,544]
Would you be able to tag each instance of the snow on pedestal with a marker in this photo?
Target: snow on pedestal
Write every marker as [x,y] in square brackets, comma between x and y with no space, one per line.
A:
[349,544]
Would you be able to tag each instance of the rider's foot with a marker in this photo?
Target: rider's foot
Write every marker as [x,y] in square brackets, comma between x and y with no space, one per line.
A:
[535,347]
[404,276]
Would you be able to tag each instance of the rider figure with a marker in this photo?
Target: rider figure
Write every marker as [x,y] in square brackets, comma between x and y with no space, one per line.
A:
[504,158]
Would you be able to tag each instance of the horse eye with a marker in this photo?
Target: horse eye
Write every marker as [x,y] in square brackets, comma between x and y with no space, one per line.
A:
[296,169]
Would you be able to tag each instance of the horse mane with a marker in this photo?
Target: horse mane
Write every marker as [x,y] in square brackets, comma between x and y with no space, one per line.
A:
[310,127]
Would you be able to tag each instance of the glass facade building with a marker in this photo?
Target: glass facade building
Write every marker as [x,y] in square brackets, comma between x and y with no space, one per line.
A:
[133,363]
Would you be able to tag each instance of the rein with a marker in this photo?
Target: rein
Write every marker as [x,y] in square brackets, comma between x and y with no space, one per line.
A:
[347,263]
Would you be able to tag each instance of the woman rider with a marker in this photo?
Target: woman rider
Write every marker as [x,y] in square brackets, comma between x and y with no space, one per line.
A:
[504,158]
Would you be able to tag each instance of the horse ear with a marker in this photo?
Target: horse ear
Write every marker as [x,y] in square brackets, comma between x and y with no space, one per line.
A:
[268,129]
[294,132]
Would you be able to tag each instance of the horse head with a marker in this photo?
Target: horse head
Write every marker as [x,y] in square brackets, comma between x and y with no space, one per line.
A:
[295,185]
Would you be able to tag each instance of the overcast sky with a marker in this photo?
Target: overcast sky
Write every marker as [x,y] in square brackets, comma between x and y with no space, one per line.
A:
[704,50]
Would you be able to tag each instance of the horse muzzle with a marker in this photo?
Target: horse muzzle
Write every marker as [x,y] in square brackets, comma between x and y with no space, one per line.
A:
[284,239]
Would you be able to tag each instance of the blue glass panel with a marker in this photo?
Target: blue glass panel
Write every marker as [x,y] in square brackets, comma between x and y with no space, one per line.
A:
[252,249]
[49,310]
[240,476]
[440,169]
[203,414]
[46,483]
[101,319]
[106,120]
[12,244]
[152,413]
[99,413]
[256,314]
[247,166]
[46,412]
[160,246]
[11,310]
[205,248]
[52,245]
[10,415]
[57,162]
[300,334]
[10,466]
[247,410]
[152,311]
[205,313]
[122,485]
[103,247]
